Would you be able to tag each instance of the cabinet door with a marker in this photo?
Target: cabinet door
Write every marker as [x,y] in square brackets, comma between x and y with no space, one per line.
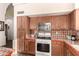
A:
[57,51]
[26,46]
[69,53]
[45,19]
[60,22]
[19,22]
[20,41]
[77,19]
[34,22]
[31,47]
[73,20]
[25,22]
[57,48]
[22,31]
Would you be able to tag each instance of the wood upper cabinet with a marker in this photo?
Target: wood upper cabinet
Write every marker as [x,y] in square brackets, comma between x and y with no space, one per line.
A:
[61,22]
[73,20]
[57,48]
[23,23]
[77,19]
[34,21]
[22,30]
[58,22]
[45,19]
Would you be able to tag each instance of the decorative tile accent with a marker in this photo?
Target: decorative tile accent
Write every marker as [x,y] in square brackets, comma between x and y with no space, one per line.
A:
[61,34]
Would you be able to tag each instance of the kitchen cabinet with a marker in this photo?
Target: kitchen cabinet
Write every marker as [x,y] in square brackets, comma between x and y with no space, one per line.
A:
[77,18]
[69,53]
[22,31]
[26,46]
[30,46]
[45,19]
[62,48]
[61,22]
[73,20]
[23,22]
[34,21]
[20,41]
[57,48]
[69,50]
[58,22]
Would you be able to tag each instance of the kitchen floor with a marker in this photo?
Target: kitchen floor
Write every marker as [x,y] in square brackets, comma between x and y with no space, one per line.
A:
[22,54]
[8,44]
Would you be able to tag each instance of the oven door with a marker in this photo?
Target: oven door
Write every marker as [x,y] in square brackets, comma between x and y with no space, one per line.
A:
[43,47]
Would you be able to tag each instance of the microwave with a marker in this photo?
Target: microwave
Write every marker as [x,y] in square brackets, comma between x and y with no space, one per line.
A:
[44,27]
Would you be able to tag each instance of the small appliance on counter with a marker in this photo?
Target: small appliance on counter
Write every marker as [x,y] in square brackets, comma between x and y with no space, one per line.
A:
[73,37]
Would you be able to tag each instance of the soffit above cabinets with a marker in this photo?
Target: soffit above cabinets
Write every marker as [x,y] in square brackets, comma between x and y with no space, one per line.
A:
[44,8]
[50,14]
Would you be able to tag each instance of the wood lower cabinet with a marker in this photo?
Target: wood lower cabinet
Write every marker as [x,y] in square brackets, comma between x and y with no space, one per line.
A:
[20,40]
[69,50]
[57,48]
[26,46]
[30,46]
[20,45]
[62,48]
[68,53]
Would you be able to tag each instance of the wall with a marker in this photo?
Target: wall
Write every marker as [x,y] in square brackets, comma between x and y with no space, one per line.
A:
[62,34]
[10,32]
[10,21]
[76,5]
[3,7]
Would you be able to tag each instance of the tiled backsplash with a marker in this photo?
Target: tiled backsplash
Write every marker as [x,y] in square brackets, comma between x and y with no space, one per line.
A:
[62,34]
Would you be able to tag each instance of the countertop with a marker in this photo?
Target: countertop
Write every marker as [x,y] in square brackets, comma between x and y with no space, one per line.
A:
[74,44]
[69,41]
[31,38]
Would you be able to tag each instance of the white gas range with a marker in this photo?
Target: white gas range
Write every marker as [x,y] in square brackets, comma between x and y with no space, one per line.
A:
[43,39]
[43,47]
[43,44]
